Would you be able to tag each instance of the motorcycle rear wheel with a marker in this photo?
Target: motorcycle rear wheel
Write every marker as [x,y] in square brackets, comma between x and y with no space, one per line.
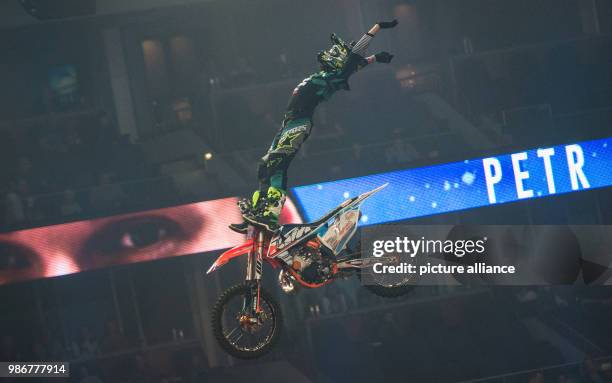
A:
[228,329]
[387,290]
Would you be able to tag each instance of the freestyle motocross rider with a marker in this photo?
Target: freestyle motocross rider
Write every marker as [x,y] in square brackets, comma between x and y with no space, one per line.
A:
[337,64]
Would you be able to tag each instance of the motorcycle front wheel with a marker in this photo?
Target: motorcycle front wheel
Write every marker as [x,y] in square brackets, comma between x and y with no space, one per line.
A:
[241,332]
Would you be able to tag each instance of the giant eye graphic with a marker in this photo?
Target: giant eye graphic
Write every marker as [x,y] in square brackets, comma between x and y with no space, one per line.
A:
[145,237]
[18,262]
[13,258]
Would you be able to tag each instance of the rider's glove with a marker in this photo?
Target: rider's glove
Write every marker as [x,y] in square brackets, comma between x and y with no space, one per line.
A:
[383,57]
[387,24]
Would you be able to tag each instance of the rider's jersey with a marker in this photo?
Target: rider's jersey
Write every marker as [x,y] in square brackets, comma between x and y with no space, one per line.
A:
[305,98]
[320,87]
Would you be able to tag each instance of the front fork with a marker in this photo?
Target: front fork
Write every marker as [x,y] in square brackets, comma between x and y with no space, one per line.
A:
[255,269]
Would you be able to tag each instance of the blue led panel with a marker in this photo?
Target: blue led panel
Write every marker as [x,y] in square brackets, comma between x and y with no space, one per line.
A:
[468,184]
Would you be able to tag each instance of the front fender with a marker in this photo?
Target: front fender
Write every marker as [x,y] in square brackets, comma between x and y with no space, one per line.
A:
[231,253]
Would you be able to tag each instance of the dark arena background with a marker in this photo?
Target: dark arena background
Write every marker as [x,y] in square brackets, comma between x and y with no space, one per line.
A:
[129,129]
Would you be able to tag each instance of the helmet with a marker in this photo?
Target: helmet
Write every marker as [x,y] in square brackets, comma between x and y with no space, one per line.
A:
[335,57]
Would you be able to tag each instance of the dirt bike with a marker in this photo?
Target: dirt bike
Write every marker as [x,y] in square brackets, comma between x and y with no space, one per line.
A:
[246,319]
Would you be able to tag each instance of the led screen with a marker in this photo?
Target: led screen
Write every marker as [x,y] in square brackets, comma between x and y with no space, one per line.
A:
[154,234]
[201,227]
[63,80]
[467,184]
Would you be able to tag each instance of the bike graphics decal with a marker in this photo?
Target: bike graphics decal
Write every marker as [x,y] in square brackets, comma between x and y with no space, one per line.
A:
[281,242]
[340,230]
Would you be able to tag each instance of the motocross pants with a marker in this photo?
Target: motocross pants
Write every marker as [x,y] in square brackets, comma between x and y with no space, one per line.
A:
[272,169]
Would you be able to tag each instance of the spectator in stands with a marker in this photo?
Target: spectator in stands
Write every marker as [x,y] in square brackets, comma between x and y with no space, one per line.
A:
[538,377]
[590,372]
[356,151]
[39,352]
[25,169]
[337,299]
[14,205]
[565,379]
[8,351]
[143,373]
[114,339]
[360,158]
[197,371]
[57,350]
[89,345]
[243,72]
[326,304]
[70,207]
[399,152]
[106,197]
[387,334]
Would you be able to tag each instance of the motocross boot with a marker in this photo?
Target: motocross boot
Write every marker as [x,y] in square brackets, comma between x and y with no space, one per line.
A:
[240,228]
[246,207]
[267,210]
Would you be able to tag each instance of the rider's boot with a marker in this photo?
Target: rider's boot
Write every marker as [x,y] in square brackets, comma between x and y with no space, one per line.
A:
[267,210]
[245,207]
[240,228]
